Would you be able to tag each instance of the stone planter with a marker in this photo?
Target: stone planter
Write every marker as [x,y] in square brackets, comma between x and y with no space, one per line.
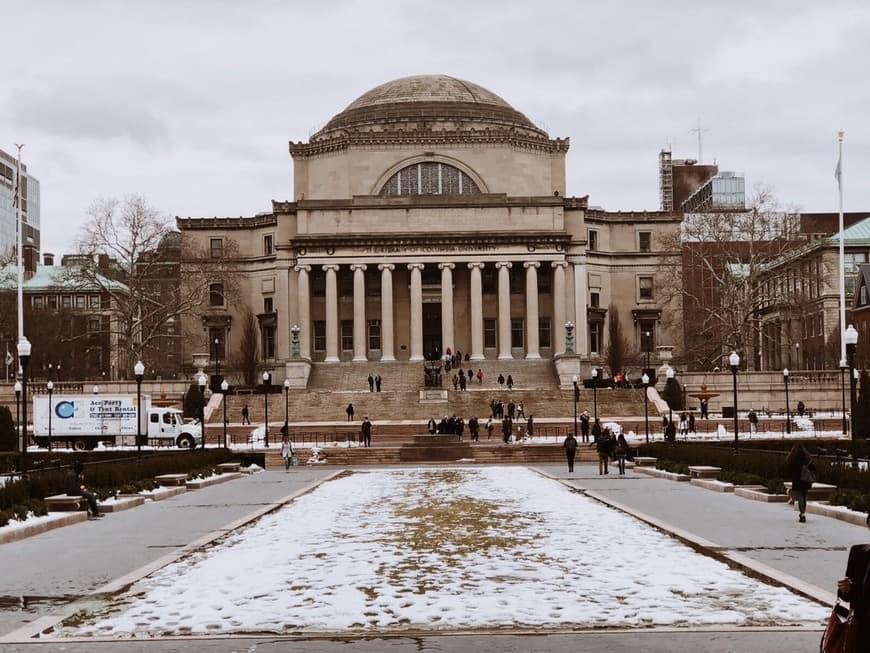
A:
[747,492]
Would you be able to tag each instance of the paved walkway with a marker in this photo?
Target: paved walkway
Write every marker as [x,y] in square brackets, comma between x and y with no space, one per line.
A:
[51,569]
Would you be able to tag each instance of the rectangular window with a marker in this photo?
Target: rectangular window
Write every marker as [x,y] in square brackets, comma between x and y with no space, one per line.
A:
[319,335]
[517,335]
[93,301]
[268,305]
[80,301]
[268,250]
[645,287]
[544,332]
[93,325]
[595,337]
[594,299]
[216,294]
[66,301]
[644,241]
[593,240]
[51,302]
[347,335]
[268,342]
[488,280]
[489,333]
[37,301]
[374,334]
[216,247]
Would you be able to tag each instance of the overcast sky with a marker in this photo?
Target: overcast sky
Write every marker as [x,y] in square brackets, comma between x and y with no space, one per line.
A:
[192,103]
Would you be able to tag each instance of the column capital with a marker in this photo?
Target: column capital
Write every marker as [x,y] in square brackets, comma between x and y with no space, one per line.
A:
[302,268]
[331,266]
[449,266]
[386,266]
[531,264]
[358,266]
[471,266]
[504,264]
[418,266]
[559,264]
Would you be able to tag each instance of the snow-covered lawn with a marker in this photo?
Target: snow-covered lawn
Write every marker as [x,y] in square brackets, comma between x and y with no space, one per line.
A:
[442,549]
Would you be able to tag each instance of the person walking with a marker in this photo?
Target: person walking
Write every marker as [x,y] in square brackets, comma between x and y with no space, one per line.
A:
[684,425]
[692,423]
[455,382]
[286,450]
[802,473]
[378,382]
[602,447]
[371,383]
[479,376]
[75,487]
[530,426]
[753,421]
[512,409]
[349,411]
[506,429]
[584,426]
[570,445]
[621,452]
[432,426]
[800,408]
[854,587]
[366,432]
[462,381]
[500,380]
[704,408]
[246,415]
[489,428]
[474,429]
[521,410]
[510,382]
[596,430]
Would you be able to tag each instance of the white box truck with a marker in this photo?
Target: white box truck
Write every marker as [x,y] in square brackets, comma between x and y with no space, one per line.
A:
[83,421]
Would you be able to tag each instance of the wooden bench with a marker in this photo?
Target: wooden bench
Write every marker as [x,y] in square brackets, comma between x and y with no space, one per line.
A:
[171,479]
[65,502]
[645,461]
[704,471]
[227,468]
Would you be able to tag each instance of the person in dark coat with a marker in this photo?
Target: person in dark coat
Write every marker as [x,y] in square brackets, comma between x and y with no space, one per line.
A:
[596,430]
[501,379]
[671,432]
[460,427]
[432,426]
[507,428]
[512,409]
[584,426]
[510,382]
[349,411]
[75,487]
[801,470]
[692,423]
[246,415]
[620,450]
[704,408]
[854,587]
[753,420]
[602,446]
[801,408]
[371,383]
[378,382]
[570,445]
[474,429]
[366,432]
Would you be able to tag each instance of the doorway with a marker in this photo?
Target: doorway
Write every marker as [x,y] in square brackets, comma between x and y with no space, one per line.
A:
[432,330]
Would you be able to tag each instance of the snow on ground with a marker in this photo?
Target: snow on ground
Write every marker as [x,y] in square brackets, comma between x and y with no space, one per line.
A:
[442,549]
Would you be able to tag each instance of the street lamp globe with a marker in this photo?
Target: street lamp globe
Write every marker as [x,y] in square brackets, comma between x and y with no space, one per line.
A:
[17,387]
[96,389]
[594,372]
[670,373]
[139,369]
[225,386]
[734,360]
[645,379]
[785,373]
[851,336]
[265,377]
[286,384]
[574,379]
[201,380]
[49,386]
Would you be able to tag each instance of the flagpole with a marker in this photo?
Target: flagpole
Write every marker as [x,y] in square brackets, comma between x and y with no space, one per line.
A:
[19,222]
[840,135]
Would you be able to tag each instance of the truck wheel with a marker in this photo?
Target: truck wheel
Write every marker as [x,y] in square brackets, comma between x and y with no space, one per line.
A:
[81,445]
[186,442]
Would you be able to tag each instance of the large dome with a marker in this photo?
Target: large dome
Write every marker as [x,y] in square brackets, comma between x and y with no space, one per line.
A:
[427,99]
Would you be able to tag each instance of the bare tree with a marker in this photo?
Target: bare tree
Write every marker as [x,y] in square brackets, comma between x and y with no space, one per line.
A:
[718,266]
[131,253]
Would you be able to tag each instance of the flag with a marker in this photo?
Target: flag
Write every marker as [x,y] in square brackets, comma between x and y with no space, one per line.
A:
[9,358]
[838,173]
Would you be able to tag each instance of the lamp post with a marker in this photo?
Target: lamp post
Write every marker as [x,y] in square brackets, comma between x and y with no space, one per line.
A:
[224,389]
[569,337]
[266,385]
[139,372]
[595,393]
[851,340]
[24,350]
[217,360]
[734,362]
[287,401]
[50,387]
[645,380]
[647,345]
[576,397]
[202,381]
[18,411]
[787,411]
[843,367]
[294,341]
[670,376]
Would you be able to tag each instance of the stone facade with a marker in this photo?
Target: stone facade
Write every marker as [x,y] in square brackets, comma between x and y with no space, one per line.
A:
[431,215]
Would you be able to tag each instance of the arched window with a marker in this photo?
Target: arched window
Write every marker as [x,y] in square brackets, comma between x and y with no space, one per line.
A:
[430,178]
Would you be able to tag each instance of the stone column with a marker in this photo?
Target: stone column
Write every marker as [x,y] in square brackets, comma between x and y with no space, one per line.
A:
[581,321]
[504,310]
[559,307]
[387,352]
[331,313]
[359,312]
[476,311]
[304,310]
[447,307]
[533,349]
[416,311]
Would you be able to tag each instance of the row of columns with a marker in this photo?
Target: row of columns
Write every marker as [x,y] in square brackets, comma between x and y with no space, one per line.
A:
[447,330]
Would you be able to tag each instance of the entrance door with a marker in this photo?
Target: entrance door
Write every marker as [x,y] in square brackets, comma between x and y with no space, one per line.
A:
[432,330]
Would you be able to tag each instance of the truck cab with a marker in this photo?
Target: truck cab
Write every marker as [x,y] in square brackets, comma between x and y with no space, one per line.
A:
[168,424]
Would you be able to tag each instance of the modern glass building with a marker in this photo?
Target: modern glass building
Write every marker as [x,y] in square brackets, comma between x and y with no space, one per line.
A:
[8,218]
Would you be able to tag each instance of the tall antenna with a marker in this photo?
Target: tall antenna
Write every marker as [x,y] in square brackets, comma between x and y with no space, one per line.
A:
[699,131]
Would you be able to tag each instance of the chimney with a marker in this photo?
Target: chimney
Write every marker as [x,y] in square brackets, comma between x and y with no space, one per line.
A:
[47,259]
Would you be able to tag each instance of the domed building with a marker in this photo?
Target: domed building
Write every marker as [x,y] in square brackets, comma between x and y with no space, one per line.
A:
[430,216]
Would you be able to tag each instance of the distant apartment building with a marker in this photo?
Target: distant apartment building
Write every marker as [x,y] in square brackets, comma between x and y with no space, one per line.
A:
[29,210]
[690,187]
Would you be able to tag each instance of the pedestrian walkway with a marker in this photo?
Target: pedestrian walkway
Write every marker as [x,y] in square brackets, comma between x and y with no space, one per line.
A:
[42,573]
